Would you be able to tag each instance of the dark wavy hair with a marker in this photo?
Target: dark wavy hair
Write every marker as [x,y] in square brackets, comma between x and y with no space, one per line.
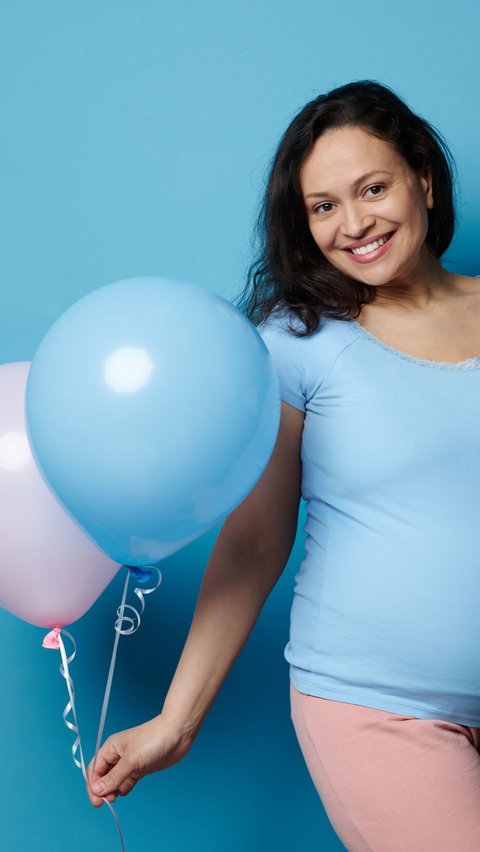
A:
[290,270]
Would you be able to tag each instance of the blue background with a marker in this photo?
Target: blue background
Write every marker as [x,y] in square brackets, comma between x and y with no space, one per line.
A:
[135,141]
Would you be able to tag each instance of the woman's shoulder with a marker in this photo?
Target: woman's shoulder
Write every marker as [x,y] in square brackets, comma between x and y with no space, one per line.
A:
[303,363]
[281,325]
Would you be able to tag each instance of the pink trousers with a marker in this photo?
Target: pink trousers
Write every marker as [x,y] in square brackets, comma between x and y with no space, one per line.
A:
[388,782]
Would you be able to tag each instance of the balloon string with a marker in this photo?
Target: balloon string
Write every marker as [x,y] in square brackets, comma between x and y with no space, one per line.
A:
[108,687]
[132,621]
[64,671]
[54,640]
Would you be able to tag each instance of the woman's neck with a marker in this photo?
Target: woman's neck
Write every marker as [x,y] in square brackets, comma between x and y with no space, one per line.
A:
[419,290]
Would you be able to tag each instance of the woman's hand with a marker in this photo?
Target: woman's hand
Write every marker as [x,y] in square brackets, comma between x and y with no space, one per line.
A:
[129,755]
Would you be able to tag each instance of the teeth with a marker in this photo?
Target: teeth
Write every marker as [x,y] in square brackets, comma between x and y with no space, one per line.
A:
[370,247]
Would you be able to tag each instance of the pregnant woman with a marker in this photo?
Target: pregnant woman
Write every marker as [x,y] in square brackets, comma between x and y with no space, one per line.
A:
[377,349]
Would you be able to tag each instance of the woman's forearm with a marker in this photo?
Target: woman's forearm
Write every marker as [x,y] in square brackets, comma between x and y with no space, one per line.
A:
[249,555]
[234,589]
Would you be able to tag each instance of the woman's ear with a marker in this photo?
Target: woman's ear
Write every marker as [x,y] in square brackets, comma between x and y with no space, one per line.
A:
[425,178]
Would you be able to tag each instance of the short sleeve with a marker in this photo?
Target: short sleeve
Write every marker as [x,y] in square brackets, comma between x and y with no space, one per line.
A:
[284,350]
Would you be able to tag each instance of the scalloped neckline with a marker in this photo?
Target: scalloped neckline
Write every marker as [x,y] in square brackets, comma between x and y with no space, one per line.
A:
[467,363]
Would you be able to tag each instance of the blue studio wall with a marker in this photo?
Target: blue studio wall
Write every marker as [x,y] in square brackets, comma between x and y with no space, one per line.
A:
[135,139]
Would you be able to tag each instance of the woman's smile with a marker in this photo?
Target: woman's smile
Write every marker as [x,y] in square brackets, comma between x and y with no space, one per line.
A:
[371,250]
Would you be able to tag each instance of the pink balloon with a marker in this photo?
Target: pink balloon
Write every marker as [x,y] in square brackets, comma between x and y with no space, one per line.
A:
[50,571]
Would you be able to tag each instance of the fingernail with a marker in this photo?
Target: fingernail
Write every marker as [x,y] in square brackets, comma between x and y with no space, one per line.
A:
[98,787]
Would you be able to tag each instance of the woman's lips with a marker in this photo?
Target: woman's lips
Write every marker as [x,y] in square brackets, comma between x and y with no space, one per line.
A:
[372,255]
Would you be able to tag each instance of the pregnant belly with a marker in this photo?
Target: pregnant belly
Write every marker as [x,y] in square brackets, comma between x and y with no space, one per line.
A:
[399,615]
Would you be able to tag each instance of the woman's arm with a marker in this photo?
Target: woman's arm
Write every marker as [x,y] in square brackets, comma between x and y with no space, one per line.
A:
[249,556]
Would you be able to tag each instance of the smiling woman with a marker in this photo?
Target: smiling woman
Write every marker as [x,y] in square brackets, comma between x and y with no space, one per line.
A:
[372,340]
[356,166]
[379,435]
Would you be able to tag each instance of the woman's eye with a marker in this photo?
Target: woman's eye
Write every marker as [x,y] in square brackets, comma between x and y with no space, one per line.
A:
[377,187]
[320,208]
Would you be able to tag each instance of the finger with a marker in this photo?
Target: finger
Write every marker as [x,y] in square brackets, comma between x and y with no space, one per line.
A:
[111,782]
[127,786]
[103,764]
[98,767]
[96,801]
[110,797]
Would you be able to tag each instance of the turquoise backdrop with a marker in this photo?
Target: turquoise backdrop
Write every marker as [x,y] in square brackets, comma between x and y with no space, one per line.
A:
[135,140]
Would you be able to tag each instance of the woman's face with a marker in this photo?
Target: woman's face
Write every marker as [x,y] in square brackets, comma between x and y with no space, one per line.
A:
[360,193]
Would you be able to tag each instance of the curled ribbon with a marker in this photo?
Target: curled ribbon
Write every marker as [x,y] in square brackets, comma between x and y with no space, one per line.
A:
[125,625]
[54,641]
[143,575]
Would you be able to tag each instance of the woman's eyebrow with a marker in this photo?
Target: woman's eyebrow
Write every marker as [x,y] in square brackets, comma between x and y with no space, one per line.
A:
[355,184]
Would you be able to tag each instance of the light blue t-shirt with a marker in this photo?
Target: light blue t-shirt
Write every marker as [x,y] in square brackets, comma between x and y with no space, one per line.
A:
[386,608]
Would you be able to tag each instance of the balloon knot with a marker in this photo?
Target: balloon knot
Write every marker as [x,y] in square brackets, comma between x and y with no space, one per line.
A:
[51,639]
[142,575]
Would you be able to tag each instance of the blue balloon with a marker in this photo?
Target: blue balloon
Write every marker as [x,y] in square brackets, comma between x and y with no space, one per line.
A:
[152,409]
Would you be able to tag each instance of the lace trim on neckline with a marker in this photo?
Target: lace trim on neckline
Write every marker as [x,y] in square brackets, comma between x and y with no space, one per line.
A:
[467,364]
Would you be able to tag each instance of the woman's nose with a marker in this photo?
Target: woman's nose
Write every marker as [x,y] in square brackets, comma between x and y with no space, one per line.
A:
[356,222]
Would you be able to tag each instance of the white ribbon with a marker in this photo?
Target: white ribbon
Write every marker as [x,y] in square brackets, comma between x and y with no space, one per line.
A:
[132,623]
[125,625]
[54,640]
